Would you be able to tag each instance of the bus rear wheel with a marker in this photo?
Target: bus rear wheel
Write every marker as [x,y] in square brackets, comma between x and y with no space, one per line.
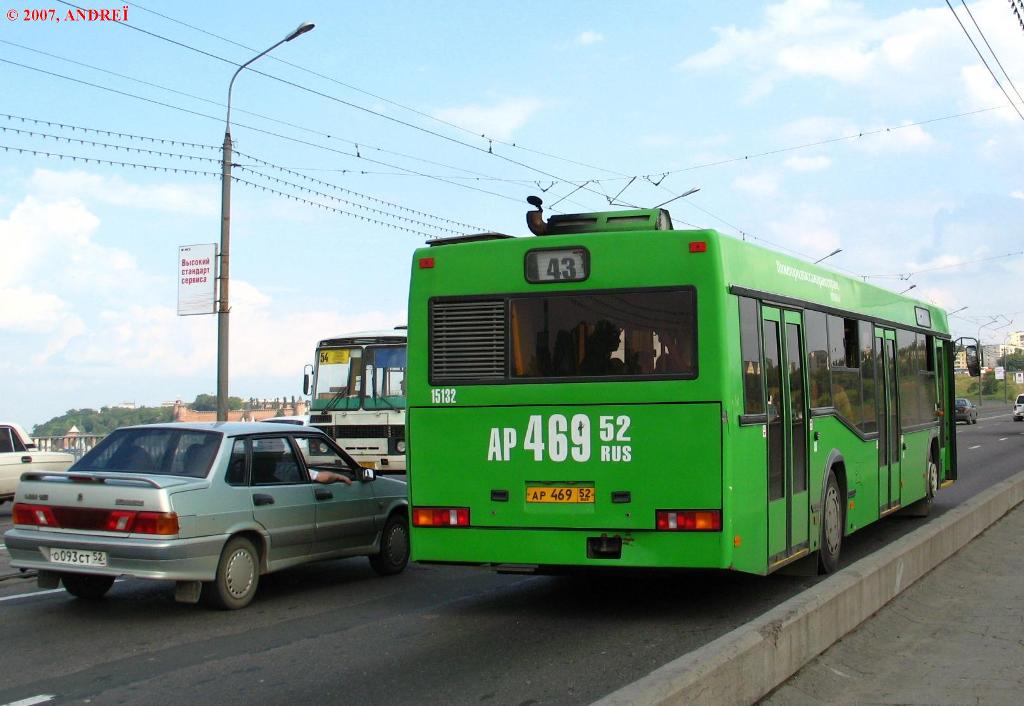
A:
[831,541]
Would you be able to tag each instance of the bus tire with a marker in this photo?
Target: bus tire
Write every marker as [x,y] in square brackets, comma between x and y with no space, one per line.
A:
[238,576]
[832,521]
[923,507]
[394,547]
[87,586]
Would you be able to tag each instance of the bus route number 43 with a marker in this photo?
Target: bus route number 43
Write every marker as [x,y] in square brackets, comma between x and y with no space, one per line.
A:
[561,438]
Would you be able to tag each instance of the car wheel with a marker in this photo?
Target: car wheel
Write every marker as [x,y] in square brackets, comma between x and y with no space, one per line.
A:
[974,421]
[238,575]
[87,586]
[394,547]
[832,519]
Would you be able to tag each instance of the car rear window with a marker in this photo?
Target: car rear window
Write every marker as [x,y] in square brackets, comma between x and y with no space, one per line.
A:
[1020,399]
[161,451]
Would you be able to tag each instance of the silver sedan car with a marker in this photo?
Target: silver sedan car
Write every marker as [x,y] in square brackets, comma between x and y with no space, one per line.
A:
[209,506]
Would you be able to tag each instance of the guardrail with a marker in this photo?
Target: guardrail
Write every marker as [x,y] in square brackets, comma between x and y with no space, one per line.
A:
[75,444]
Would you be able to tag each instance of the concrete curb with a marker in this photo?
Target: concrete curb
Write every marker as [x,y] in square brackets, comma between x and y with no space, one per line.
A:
[743,665]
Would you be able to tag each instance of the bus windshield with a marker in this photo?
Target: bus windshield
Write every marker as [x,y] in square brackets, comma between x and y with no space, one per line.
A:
[360,378]
[385,377]
[338,378]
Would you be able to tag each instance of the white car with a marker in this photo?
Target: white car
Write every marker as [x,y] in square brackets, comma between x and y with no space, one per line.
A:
[1018,409]
[18,454]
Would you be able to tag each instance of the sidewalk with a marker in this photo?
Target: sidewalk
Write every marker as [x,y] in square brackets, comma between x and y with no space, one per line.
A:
[954,637]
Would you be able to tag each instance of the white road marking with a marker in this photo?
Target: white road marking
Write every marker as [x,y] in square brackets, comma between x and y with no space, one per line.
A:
[29,595]
[1004,438]
[30,701]
[39,593]
[976,446]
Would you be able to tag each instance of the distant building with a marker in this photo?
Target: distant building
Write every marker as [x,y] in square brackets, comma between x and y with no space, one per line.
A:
[253,411]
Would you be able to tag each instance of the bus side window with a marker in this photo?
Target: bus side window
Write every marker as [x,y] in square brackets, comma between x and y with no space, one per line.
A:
[750,352]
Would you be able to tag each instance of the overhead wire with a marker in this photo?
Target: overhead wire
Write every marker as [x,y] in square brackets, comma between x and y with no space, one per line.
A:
[384,99]
[980,56]
[992,51]
[342,101]
[192,96]
[199,172]
[907,275]
[259,130]
[178,155]
[141,150]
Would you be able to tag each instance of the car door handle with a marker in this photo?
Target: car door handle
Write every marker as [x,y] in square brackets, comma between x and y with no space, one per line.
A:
[322,493]
[262,499]
[26,459]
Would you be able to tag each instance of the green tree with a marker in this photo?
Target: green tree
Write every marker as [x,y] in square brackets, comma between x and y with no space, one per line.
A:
[208,403]
[1012,361]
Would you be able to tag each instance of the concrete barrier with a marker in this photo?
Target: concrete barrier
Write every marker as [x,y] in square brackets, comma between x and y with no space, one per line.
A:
[743,665]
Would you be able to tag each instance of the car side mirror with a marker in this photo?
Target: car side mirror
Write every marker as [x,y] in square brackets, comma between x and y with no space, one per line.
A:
[367,474]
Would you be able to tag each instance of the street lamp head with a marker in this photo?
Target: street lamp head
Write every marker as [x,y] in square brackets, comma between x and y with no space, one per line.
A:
[834,252]
[301,29]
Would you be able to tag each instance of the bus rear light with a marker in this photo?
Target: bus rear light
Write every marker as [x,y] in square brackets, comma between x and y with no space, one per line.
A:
[426,263]
[37,515]
[689,520]
[440,517]
[698,246]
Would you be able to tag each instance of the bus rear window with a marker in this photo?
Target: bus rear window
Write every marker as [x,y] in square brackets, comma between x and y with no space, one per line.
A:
[620,334]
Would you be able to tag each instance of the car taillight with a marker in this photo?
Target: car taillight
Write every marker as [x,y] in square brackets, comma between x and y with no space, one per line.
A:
[440,517]
[38,515]
[689,520]
[119,521]
[156,523]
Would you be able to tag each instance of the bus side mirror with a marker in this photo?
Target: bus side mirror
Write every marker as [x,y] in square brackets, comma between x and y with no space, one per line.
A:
[973,361]
[305,378]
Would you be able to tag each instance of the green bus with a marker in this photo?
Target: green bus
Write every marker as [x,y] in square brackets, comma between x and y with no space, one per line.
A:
[617,393]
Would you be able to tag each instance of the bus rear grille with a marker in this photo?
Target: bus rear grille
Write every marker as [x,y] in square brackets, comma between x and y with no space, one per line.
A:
[467,341]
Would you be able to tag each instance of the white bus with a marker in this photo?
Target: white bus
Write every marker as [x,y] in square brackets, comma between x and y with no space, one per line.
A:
[357,385]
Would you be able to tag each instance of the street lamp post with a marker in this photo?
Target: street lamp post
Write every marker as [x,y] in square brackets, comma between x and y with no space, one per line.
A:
[223,308]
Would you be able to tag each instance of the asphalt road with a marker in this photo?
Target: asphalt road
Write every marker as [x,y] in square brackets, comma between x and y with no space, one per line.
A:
[335,632]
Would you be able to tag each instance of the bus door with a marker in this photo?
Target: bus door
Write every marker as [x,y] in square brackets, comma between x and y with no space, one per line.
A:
[788,507]
[888,417]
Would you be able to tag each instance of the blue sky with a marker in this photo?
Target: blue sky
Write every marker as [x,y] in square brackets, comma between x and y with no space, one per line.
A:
[566,94]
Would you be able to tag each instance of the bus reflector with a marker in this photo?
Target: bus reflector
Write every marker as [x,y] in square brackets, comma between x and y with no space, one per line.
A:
[698,246]
[689,520]
[426,263]
[440,517]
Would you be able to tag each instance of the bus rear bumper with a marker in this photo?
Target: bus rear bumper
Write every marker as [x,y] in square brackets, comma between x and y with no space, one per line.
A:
[539,548]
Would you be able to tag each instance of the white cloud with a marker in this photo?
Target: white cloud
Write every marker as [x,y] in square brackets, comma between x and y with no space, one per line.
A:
[499,120]
[588,37]
[808,229]
[808,164]
[114,190]
[762,185]
[659,140]
[843,42]
[1019,194]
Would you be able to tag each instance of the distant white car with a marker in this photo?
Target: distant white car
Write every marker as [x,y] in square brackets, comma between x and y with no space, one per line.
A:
[18,454]
[1018,409]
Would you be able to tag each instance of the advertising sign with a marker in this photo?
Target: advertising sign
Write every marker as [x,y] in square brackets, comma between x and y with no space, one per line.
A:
[1000,373]
[197,279]
[1019,378]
